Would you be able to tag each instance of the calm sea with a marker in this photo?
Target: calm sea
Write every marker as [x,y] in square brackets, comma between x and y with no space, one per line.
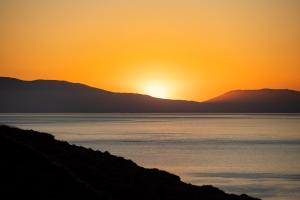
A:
[239,153]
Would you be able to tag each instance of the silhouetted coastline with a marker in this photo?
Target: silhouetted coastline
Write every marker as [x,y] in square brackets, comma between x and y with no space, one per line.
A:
[52,96]
[36,166]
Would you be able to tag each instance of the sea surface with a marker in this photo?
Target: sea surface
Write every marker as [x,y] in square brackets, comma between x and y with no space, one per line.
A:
[257,154]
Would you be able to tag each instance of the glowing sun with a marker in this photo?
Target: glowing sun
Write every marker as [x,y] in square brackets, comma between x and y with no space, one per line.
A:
[156,90]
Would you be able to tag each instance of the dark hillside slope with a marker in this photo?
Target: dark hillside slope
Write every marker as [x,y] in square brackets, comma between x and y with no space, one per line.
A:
[36,166]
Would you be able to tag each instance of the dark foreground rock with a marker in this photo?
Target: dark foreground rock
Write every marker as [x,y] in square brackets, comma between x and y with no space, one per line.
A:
[36,166]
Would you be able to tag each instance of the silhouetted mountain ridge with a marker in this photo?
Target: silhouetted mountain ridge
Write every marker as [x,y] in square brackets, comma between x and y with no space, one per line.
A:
[253,96]
[36,166]
[52,96]
[61,96]
[263,100]
[40,84]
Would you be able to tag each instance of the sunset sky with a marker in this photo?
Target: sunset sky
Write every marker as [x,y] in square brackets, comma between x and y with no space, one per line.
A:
[181,49]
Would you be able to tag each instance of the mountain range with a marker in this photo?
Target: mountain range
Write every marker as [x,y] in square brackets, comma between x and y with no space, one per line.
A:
[52,96]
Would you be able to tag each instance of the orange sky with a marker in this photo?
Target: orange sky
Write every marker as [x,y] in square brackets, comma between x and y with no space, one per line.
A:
[193,49]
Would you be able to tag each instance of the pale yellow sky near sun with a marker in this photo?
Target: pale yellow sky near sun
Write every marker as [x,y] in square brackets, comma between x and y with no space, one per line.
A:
[187,49]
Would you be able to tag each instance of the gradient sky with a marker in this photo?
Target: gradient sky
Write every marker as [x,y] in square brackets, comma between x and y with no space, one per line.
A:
[189,49]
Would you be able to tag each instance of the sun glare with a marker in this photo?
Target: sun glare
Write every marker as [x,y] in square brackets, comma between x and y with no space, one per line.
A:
[157,91]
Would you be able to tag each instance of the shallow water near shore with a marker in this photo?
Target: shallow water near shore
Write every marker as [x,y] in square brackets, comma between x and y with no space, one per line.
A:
[257,154]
